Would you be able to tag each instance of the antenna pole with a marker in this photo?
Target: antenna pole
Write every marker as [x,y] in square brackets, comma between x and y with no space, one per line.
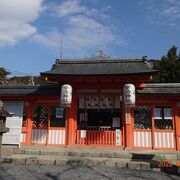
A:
[61,46]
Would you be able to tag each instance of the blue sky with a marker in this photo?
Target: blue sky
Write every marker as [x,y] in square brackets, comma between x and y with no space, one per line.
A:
[30,30]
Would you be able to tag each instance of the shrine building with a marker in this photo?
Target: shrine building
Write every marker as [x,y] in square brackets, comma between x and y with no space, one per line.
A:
[100,103]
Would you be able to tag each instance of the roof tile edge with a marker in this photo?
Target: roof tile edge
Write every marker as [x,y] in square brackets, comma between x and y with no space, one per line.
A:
[112,60]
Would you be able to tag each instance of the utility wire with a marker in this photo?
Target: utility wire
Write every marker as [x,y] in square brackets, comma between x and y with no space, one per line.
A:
[21,74]
[17,72]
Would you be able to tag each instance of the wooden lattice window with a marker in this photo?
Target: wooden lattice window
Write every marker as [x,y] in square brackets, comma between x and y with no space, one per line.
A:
[142,117]
[163,118]
[40,117]
[57,117]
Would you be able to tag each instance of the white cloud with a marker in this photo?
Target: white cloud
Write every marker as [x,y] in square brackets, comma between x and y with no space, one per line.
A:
[70,7]
[15,20]
[84,29]
[88,32]
[49,39]
[165,12]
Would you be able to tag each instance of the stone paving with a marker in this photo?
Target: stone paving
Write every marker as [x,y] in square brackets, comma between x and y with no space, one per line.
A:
[69,172]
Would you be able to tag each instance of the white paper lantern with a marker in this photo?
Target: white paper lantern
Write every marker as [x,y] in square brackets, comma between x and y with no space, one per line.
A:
[129,95]
[66,95]
[1,104]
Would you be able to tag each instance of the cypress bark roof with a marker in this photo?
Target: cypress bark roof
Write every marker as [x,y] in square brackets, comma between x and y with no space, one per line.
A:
[160,89]
[100,67]
[30,90]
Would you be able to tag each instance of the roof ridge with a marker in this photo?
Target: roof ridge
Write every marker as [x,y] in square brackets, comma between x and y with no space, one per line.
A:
[112,60]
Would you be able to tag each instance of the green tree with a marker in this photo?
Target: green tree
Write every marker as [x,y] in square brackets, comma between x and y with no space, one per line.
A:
[25,80]
[3,75]
[169,67]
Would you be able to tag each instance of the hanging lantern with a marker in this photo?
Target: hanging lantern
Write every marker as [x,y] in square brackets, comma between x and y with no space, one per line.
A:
[129,95]
[1,104]
[66,95]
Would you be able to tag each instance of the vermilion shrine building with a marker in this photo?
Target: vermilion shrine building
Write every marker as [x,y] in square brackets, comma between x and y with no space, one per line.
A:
[98,115]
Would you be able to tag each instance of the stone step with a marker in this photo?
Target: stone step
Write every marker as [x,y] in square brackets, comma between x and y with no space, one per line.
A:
[79,157]
[61,152]
[145,164]
[110,154]
[76,161]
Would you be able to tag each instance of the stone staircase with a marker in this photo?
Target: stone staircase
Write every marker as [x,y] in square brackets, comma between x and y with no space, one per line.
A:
[77,156]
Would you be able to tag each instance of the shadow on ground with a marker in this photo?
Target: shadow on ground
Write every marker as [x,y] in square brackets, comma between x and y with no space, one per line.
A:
[166,166]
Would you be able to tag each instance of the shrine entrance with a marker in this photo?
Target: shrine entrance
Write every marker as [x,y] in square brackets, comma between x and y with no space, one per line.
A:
[99,119]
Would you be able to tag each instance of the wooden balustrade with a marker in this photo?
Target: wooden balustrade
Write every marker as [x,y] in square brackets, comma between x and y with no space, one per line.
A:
[97,137]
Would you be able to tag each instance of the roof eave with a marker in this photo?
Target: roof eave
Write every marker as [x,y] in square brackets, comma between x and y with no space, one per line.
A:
[158,94]
[138,73]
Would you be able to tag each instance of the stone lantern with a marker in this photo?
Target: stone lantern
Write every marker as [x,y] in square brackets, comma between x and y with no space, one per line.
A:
[3,129]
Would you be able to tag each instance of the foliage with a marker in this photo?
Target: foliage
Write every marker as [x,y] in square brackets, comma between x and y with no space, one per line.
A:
[169,67]
[3,75]
[25,80]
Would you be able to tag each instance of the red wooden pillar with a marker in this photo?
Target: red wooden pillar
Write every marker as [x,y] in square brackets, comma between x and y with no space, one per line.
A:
[72,120]
[29,123]
[153,129]
[177,127]
[128,121]
[128,128]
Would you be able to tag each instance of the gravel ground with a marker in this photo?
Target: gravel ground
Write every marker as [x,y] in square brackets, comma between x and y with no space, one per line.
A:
[20,172]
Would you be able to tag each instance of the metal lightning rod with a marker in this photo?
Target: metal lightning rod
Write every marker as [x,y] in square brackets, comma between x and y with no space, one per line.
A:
[61,46]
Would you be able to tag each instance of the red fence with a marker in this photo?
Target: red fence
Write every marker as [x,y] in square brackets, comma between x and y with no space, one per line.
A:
[98,137]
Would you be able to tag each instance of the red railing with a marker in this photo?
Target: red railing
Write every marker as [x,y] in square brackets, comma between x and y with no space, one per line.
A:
[97,137]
